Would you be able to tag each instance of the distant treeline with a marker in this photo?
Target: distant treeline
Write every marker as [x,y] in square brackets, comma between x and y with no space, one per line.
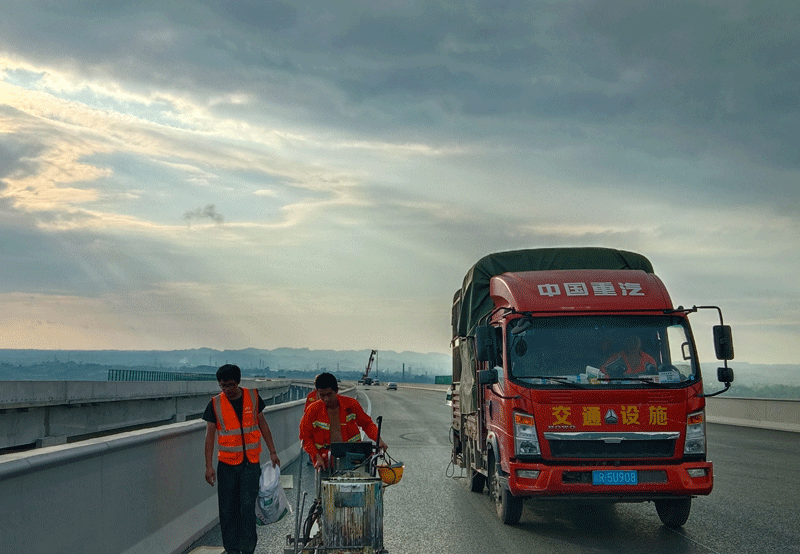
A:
[279,360]
[73,371]
[54,371]
[784,392]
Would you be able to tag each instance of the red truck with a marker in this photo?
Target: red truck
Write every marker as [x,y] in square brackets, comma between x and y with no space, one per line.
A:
[575,378]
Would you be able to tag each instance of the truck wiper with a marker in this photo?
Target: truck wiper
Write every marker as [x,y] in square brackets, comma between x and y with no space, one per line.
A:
[647,380]
[559,380]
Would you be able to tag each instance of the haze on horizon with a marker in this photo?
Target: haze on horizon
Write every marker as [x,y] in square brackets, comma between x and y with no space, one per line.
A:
[312,174]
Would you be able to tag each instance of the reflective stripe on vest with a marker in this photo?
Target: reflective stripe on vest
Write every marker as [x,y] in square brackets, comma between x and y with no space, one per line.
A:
[230,431]
[327,427]
[319,425]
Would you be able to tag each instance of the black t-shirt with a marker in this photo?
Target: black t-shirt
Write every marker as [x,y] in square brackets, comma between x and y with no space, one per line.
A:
[238,405]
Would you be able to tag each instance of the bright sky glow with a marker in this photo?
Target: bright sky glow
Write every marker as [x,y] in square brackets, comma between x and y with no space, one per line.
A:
[322,174]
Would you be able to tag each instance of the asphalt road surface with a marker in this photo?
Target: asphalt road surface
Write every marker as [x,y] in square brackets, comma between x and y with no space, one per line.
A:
[754,507]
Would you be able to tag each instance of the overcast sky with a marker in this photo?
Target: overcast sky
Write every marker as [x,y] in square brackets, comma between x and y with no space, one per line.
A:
[251,173]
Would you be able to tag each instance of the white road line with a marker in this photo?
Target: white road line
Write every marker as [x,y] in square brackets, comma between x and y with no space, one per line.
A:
[368,410]
[698,543]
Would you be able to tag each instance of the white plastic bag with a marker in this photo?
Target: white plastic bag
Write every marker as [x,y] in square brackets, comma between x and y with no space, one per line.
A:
[271,502]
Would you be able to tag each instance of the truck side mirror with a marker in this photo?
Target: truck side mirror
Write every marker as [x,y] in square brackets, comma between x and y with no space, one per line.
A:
[725,375]
[723,342]
[484,344]
[487,377]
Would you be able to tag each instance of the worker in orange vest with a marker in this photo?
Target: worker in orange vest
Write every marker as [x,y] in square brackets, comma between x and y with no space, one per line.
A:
[236,425]
[310,399]
[333,418]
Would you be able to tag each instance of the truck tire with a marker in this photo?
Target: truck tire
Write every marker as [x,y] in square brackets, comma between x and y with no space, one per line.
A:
[674,512]
[477,480]
[509,507]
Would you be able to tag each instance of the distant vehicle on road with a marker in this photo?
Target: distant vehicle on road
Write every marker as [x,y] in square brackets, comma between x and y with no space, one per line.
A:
[376,382]
[391,386]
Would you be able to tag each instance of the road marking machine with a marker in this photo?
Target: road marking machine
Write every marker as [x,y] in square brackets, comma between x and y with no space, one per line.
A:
[346,516]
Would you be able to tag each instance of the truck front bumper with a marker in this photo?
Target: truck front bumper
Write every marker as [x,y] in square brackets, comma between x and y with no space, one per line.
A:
[653,481]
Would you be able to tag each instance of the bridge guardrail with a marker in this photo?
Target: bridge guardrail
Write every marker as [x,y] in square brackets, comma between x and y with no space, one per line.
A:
[762,413]
[48,413]
[139,492]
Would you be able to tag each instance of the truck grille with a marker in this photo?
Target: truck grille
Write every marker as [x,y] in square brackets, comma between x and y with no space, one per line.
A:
[612,445]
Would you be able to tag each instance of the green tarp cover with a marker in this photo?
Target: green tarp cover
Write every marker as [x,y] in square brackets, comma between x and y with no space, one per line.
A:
[476,303]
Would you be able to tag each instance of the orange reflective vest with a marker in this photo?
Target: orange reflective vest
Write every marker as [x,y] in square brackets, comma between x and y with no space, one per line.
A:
[311,398]
[234,438]
[315,428]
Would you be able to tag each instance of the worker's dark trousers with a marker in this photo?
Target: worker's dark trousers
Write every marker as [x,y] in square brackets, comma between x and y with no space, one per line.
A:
[237,492]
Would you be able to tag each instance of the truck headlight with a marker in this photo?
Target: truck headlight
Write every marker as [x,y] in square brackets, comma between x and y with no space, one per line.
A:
[526,443]
[695,433]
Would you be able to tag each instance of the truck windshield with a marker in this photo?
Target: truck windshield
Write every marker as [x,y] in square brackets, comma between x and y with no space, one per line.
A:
[601,351]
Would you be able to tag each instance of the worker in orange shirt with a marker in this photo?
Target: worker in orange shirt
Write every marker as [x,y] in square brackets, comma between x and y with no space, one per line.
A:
[333,418]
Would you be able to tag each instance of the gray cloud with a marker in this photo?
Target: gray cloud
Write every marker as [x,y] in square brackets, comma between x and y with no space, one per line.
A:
[273,15]
[390,35]
[708,74]
[199,214]
[79,263]
[18,155]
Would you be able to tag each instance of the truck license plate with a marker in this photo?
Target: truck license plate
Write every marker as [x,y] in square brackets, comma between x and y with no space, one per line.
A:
[615,477]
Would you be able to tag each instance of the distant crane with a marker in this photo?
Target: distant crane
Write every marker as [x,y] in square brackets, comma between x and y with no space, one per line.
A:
[366,379]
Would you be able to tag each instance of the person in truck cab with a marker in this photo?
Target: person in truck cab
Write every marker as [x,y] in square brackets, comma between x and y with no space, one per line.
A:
[629,361]
[333,418]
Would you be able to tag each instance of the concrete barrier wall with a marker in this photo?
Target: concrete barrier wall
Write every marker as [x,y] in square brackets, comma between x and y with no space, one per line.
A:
[48,413]
[781,415]
[140,492]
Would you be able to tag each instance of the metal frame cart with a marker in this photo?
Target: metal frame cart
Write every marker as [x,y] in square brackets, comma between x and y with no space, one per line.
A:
[346,517]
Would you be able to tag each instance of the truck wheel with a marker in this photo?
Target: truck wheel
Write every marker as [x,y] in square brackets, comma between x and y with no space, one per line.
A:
[509,507]
[674,513]
[477,480]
